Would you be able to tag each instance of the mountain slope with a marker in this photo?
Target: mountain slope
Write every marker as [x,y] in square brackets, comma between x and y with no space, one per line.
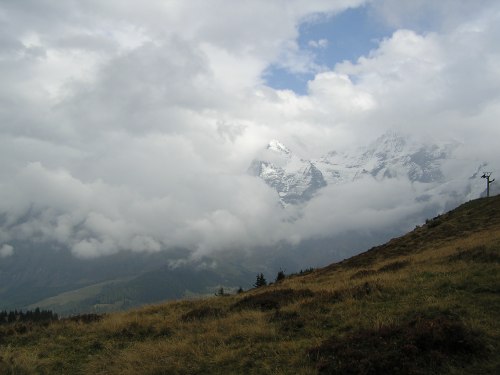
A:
[162,283]
[424,303]
[456,226]
[52,278]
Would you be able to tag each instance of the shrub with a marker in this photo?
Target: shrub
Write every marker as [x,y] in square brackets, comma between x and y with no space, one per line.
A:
[85,318]
[478,254]
[394,266]
[362,273]
[272,299]
[202,313]
[421,346]
[289,322]
[357,292]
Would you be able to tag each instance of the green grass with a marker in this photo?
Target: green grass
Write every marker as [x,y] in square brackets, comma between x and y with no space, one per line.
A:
[73,296]
[425,303]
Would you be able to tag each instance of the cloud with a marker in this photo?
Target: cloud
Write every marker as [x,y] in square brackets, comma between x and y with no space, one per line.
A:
[6,251]
[95,218]
[350,207]
[422,15]
[320,43]
[445,84]
[131,127]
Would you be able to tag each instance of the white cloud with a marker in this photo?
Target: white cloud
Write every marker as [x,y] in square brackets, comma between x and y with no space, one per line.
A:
[93,218]
[337,91]
[320,43]
[441,15]
[128,126]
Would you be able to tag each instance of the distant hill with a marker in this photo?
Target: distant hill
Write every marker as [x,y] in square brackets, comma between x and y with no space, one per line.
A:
[45,276]
[161,283]
[424,303]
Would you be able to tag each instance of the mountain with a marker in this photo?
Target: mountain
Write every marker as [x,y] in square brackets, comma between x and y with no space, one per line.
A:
[432,167]
[423,303]
[50,277]
[159,284]
[390,156]
[296,180]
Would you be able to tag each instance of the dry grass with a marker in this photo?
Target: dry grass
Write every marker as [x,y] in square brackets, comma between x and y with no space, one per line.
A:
[442,278]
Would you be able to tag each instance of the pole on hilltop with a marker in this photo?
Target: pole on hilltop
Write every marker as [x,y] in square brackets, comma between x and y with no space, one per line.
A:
[488,182]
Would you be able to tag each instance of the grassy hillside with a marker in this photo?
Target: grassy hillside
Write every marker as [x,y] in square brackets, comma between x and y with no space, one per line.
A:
[427,302]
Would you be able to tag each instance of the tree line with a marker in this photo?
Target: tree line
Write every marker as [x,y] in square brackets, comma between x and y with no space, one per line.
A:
[35,315]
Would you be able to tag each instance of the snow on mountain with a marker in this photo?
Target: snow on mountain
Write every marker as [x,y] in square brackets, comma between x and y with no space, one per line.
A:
[390,156]
[278,147]
[296,180]
[431,167]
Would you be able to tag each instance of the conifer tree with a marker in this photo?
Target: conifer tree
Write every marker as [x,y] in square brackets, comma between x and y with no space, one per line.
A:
[280,276]
[261,281]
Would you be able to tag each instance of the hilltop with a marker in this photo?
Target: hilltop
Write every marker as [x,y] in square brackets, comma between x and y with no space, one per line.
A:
[423,303]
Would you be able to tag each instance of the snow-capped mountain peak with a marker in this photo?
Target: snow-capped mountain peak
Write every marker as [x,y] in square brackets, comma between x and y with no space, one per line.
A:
[295,180]
[393,155]
[277,146]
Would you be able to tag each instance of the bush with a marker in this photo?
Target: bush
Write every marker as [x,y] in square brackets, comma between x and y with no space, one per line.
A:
[202,313]
[272,299]
[421,346]
[362,274]
[86,318]
[394,266]
[289,322]
[478,254]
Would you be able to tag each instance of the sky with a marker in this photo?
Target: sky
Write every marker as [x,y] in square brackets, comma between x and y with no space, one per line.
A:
[130,125]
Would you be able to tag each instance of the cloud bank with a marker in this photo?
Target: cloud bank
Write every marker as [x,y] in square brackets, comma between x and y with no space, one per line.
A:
[131,127]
